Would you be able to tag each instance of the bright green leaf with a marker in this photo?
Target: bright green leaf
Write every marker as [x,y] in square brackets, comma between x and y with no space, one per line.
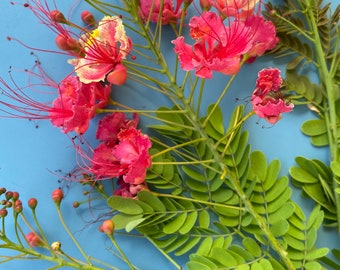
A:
[124,205]
[175,224]
[317,253]
[252,246]
[151,200]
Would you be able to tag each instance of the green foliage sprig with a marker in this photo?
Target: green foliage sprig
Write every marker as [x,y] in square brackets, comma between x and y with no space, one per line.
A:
[210,196]
[309,30]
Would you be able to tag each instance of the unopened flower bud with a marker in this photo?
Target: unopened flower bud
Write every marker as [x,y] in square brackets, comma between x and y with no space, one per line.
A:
[32,203]
[205,5]
[3,212]
[15,195]
[56,246]
[67,43]
[2,190]
[76,204]
[118,76]
[17,206]
[107,227]
[57,196]
[88,18]
[57,16]
[9,204]
[33,239]
[9,195]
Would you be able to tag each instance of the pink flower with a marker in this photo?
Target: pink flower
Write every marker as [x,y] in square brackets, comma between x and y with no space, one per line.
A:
[110,125]
[267,100]
[263,35]
[235,8]
[269,79]
[104,49]
[104,163]
[77,103]
[151,9]
[128,190]
[123,150]
[217,47]
[33,239]
[132,151]
[72,110]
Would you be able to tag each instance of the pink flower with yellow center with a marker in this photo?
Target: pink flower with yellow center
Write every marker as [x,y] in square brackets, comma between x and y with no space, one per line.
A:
[104,49]
[152,9]
[267,100]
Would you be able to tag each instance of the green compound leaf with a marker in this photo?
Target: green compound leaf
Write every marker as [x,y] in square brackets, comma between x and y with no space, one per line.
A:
[252,246]
[335,167]
[151,200]
[314,127]
[125,205]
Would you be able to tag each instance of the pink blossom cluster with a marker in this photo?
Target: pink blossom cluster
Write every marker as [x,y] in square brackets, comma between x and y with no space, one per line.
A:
[77,103]
[123,150]
[223,47]
[152,9]
[267,100]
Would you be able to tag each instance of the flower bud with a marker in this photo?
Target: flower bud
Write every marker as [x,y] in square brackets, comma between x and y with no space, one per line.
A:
[57,16]
[15,196]
[57,196]
[32,203]
[107,227]
[67,43]
[76,204]
[3,212]
[9,204]
[33,239]
[88,18]
[205,5]
[118,76]
[17,206]
[9,195]
[56,246]
[2,190]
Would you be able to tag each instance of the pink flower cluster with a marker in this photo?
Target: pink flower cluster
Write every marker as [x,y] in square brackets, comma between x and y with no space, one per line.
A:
[77,103]
[240,8]
[123,150]
[267,100]
[152,9]
[72,109]
[222,48]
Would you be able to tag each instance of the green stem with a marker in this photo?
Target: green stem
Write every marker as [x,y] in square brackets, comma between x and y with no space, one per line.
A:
[125,259]
[197,201]
[330,107]
[71,236]
[163,252]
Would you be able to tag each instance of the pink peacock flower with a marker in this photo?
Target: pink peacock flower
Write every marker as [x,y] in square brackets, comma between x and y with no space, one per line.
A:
[122,152]
[152,9]
[216,48]
[104,49]
[98,52]
[267,100]
[71,110]
[234,8]
[221,48]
